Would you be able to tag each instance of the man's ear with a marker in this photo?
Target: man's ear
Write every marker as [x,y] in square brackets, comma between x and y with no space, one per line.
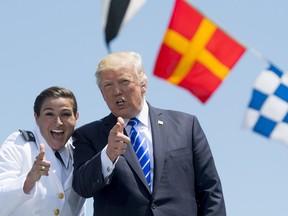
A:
[144,87]
[77,116]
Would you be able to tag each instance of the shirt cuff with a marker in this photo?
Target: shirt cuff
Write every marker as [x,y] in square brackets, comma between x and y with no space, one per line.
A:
[107,165]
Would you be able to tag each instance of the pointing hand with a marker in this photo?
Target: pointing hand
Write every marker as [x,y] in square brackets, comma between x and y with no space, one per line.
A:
[117,140]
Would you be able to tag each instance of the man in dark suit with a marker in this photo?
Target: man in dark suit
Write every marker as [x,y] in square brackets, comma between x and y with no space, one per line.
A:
[184,180]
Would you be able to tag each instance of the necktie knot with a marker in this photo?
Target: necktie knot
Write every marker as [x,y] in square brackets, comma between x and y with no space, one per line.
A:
[133,121]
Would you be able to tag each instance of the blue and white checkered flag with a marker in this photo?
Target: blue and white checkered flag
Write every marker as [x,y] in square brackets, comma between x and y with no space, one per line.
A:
[267,110]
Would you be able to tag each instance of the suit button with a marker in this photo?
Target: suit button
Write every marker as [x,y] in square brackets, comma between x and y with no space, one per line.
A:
[60,195]
[56,212]
[153,206]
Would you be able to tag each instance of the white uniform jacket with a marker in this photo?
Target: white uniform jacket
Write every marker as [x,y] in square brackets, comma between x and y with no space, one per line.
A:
[49,196]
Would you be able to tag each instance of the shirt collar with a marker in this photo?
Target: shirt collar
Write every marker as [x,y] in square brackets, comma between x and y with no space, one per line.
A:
[143,116]
[65,153]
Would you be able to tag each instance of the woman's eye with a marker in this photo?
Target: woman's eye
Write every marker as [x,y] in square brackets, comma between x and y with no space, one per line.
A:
[49,114]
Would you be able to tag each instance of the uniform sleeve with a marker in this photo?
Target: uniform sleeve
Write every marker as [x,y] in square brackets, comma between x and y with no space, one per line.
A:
[12,176]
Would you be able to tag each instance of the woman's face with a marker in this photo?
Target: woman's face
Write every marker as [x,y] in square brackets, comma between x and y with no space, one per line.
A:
[56,121]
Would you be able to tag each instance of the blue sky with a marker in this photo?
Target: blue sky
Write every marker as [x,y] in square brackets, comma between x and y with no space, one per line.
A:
[45,43]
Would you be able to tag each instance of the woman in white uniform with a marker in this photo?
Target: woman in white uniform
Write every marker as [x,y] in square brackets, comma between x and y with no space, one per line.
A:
[34,180]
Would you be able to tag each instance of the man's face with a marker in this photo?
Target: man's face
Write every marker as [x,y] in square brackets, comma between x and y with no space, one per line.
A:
[56,121]
[122,93]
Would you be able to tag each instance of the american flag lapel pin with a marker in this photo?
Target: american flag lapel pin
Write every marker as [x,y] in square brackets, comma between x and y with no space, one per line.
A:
[160,122]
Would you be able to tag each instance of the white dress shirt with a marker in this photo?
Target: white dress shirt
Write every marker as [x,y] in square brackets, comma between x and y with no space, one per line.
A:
[145,129]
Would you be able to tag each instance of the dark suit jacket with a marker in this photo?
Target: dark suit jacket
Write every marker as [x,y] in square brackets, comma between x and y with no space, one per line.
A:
[186,182]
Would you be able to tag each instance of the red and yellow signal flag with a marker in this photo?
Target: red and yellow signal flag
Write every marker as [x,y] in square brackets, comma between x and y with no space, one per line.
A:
[196,54]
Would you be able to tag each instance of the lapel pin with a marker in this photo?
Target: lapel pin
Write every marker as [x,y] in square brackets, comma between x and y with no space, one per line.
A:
[160,122]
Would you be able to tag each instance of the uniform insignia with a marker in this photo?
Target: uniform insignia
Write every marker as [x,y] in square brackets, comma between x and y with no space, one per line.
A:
[28,135]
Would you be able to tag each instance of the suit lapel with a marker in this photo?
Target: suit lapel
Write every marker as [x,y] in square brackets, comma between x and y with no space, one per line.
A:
[159,137]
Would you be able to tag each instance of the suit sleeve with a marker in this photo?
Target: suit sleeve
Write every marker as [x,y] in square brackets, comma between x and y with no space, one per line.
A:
[208,187]
[88,178]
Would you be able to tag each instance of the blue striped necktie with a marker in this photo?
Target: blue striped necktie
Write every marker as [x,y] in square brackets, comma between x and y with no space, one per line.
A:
[141,148]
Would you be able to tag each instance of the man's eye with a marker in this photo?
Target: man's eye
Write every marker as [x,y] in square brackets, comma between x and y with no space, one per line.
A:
[125,82]
[107,85]
[68,114]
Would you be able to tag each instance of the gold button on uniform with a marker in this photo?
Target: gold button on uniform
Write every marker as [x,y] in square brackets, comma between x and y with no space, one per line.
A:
[60,195]
[56,212]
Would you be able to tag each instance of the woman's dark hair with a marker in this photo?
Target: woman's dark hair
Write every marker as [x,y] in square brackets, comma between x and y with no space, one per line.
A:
[54,92]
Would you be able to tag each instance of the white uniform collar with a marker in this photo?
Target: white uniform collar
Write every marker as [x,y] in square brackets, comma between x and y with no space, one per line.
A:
[65,152]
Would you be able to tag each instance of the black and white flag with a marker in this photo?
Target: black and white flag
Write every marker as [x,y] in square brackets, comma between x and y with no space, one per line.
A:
[116,14]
